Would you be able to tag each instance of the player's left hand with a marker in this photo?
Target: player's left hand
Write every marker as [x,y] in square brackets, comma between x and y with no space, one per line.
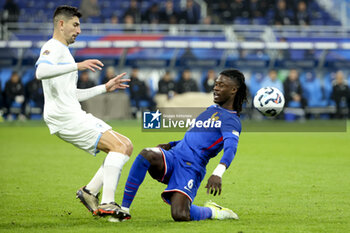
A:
[214,185]
[117,83]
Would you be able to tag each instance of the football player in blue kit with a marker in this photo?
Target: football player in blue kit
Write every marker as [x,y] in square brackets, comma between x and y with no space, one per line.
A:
[182,164]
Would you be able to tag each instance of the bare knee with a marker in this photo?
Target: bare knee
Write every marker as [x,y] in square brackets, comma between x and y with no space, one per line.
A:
[129,147]
[179,214]
[123,146]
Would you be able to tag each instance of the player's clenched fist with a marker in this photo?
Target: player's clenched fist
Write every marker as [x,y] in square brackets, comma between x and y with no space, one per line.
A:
[90,64]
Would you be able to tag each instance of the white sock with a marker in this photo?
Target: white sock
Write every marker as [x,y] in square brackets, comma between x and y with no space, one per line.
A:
[112,169]
[126,209]
[96,182]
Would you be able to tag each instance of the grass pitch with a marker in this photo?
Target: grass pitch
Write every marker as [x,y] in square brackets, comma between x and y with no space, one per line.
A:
[278,182]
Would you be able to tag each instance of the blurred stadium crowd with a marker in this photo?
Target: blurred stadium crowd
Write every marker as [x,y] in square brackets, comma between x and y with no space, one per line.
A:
[270,12]
[23,96]
[308,93]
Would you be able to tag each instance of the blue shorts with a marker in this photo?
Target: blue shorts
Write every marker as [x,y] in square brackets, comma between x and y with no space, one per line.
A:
[180,176]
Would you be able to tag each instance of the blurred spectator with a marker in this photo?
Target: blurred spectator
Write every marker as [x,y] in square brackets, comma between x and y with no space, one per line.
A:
[283,53]
[302,15]
[129,23]
[283,16]
[152,15]
[226,14]
[186,83]
[257,8]
[209,81]
[139,92]
[188,55]
[134,12]
[272,81]
[207,20]
[34,94]
[168,14]
[340,94]
[89,8]
[293,91]
[11,12]
[14,94]
[110,73]
[191,14]
[239,9]
[167,85]
[84,80]
[114,19]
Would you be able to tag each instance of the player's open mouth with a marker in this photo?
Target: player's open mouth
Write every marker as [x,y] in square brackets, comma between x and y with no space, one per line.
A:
[216,97]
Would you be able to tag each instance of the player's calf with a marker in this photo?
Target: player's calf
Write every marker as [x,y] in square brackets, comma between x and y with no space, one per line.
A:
[180,207]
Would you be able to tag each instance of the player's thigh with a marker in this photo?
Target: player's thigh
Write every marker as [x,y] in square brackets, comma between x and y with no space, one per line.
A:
[180,207]
[110,141]
[85,135]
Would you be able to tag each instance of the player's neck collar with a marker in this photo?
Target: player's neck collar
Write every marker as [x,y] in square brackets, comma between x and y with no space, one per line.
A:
[60,42]
[230,111]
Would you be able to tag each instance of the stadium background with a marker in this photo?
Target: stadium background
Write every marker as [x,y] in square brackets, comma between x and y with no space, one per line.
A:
[252,37]
[279,182]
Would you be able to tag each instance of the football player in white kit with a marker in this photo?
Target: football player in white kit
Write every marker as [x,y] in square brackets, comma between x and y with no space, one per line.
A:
[58,71]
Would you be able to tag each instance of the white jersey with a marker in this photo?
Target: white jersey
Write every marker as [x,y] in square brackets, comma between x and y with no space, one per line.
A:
[62,108]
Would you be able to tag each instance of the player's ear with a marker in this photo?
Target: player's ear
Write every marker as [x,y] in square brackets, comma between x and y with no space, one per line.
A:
[234,89]
[60,24]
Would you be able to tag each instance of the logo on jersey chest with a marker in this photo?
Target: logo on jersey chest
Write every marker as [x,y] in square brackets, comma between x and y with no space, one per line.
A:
[214,117]
[46,52]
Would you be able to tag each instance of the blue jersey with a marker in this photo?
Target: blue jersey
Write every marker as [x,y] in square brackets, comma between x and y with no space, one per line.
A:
[200,144]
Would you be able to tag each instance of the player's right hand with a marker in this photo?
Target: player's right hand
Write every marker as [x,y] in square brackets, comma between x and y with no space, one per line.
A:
[90,64]
[214,185]
[165,146]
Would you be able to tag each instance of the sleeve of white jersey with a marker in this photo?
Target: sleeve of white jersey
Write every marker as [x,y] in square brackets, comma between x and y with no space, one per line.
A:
[48,65]
[85,94]
[49,54]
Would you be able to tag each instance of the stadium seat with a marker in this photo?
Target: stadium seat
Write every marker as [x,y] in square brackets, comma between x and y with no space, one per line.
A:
[259,21]
[34,112]
[5,75]
[242,21]
[28,75]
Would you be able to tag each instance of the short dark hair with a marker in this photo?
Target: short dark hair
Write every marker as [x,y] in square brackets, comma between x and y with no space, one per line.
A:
[66,11]
[241,95]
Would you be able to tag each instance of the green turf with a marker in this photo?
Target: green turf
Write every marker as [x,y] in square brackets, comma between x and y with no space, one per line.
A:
[278,182]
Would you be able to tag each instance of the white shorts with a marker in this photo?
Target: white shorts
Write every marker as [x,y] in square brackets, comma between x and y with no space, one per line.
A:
[86,134]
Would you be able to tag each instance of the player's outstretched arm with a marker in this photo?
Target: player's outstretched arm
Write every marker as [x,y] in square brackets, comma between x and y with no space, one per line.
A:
[117,83]
[214,182]
[111,85]
[91,64]
[46,71]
